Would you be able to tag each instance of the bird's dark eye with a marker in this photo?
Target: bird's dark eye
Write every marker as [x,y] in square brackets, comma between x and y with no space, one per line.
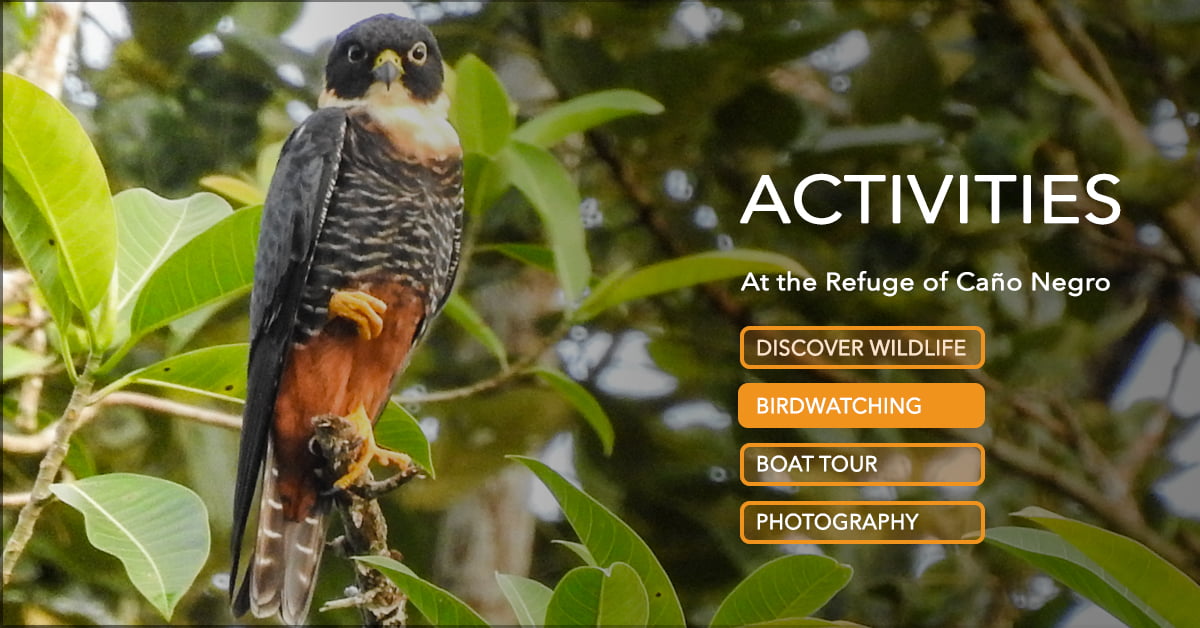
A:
[356,53]
[418,53]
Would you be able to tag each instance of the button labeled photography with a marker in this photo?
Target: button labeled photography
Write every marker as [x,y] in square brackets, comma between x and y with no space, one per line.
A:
[872,522]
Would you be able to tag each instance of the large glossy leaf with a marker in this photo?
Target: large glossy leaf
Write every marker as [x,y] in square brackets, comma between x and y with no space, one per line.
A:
[212,266]
[438,605]
[1157,582]
[461,312]
[682,272]
[480,110]
[150,229]
[1060,560]
[31,237]
[158,530]
[549,189]
[584,112]
[528,598]
[49,156]
[787,587]
[591,596]
[399,431]
[611,540]
[218,372]
[584,402]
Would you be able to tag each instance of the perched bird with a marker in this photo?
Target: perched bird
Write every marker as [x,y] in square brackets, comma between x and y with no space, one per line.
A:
[358,251]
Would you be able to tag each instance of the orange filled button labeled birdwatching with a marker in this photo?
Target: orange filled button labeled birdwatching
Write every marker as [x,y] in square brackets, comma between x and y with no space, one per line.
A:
[950,405]
[862,464]
[874,522]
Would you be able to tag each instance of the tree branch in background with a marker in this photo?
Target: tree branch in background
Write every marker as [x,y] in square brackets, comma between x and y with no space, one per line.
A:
[45,63]
[649,216]
[1182,220]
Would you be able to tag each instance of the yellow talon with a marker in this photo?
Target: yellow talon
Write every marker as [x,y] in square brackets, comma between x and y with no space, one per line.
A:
[370,450]
[364,310]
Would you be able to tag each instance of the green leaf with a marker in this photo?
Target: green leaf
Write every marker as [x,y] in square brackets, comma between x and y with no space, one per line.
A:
[535,255]
[1157,582]
[1055,556]
[212,266]
[218,372]
[399,431]
[264,166]
[158,529]
[579,550]
[461,312]
[31,236]
[480,109]
[438,605]
[528,598]
[484,183]
[611,540]
[584,112]
[150,229]
[549,189]
[20,362]
[787,587]
[49,156]
[591,596]
[682,272]
[584,402]
[234,189]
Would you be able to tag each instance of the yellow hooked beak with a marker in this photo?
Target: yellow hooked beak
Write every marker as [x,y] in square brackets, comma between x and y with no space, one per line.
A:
[388,67]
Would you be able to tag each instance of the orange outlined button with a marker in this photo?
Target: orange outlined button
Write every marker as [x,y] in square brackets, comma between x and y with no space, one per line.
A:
[945,405]
[800,347]
[870,522]
[862,464]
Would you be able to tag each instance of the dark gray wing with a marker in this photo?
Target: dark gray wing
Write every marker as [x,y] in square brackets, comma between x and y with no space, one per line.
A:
[292,220]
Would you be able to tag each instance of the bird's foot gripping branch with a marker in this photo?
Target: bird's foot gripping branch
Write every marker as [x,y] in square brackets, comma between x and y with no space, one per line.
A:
[378,599]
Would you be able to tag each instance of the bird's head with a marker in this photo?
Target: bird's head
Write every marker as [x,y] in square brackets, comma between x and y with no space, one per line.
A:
[384,58]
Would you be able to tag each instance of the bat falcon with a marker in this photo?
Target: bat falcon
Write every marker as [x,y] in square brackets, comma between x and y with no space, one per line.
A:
[358,250]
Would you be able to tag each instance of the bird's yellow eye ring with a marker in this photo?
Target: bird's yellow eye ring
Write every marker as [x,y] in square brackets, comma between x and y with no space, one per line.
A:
[418,53]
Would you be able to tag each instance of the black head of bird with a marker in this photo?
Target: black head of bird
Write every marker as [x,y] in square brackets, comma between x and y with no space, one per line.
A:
[380,55]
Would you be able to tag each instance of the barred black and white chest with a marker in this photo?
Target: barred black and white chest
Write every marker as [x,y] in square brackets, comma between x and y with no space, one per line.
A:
[395,216]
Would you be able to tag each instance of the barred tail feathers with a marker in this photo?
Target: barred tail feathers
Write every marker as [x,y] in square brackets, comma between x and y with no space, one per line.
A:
[283,568]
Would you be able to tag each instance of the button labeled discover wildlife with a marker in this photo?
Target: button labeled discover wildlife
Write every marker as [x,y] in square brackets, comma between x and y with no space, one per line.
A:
[873,522]
[941,347]
[948,405]
[862,464]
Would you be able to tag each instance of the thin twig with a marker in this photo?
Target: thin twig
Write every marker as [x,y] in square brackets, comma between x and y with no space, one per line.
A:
[15,500]
[520,368]
[48,469]
[158,404]
[41,441]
